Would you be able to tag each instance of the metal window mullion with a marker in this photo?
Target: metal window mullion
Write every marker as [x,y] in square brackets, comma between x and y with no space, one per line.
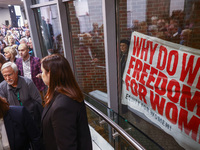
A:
[33,28]
[65,32]
[44,4]
[108,7]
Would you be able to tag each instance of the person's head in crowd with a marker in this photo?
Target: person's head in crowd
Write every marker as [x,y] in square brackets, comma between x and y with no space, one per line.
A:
[172,29]
[12,30]
[143,27]
[185,37]
[1,37]
[30,47]
[135,23]
[16,34]
[160,23]
[27,33]
[2,60]
[10,53]
[95,26]
[23,41]
[9,71]
[154,20]
[23,51]
[153,28]
[8,33]
[3,45]
[4,107]
[26,25]
[64,81]
[11,40]
[48,21]
[30,44]
[124,46]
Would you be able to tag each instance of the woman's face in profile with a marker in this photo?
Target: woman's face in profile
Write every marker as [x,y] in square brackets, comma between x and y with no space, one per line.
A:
[7,55]
[10,39]
[45,76]
[123,47]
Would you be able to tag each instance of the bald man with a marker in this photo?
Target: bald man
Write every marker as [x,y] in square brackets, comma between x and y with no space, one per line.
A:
[30,67]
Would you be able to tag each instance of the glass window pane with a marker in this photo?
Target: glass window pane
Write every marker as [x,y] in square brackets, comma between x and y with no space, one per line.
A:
[40,1]
[49,30]
[86,22]
[172,27]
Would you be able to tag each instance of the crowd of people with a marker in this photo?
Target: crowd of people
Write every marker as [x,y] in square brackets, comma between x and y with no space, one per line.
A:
[89,43]
[38,110]
[174,29]
[12,37]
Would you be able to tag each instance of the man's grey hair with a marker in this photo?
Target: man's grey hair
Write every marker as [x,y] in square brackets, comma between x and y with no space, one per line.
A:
[9,64]
[23,40]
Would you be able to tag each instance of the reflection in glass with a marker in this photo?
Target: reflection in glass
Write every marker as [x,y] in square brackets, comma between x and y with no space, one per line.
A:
[40,1]
[88,45]
[176,21]
[50,30]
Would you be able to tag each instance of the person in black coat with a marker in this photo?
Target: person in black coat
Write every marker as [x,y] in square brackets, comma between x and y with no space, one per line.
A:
[124,47]
[21,131]
[64,118]
[2,61]
[50,31]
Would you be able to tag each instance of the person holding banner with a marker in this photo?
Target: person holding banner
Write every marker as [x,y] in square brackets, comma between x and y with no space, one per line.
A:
[124,46]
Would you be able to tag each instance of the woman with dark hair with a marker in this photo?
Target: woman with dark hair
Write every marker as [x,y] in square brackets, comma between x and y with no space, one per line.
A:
[64,118]
[2,61]
[3,45]
[124,47]
[17,129]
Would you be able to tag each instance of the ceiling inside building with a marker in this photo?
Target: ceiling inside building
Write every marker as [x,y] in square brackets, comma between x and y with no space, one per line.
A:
[5,3]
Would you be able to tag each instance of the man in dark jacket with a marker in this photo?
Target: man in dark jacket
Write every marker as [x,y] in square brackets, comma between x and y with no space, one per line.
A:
[17,128]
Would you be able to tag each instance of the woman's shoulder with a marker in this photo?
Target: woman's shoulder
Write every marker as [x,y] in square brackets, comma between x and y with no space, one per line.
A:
[64,100]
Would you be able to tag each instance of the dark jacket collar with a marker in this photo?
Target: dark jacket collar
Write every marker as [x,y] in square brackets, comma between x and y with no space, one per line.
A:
[46,108]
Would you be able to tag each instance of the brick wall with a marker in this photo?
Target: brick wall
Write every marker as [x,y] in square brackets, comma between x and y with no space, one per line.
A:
[89,58]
